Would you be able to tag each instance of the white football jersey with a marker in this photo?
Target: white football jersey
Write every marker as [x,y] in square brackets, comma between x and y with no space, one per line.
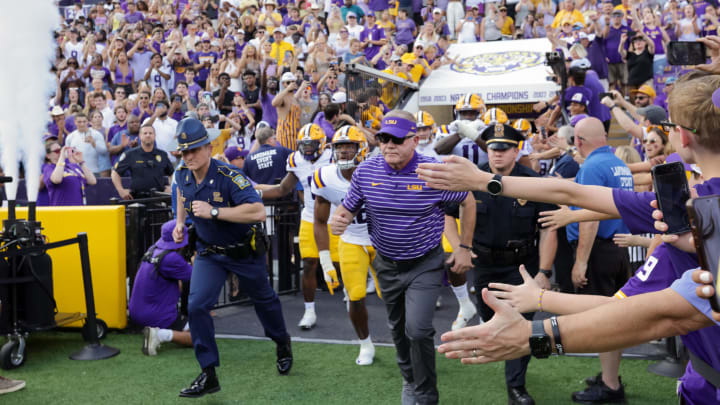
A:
[329,184]
[428,150]
[470,151]
[304,171]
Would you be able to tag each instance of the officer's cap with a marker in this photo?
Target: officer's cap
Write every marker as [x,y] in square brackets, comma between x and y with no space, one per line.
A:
[501,137]
[191,134]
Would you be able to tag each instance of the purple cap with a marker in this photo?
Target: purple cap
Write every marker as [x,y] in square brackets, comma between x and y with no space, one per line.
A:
[397,127]
[577,118]
[716,98]
[675,157]
[235,152]
[166,240]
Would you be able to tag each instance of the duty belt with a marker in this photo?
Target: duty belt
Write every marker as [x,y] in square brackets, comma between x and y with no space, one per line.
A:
[502,256]
[236,251]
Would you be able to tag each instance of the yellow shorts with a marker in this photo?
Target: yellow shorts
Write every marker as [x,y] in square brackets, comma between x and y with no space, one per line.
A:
[308,247]
[446,245]
[354,263]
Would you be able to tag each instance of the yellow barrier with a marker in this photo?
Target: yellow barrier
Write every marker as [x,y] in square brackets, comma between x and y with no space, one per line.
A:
[105,227]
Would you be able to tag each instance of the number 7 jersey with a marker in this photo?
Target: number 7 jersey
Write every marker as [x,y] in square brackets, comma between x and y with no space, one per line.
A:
[329,184]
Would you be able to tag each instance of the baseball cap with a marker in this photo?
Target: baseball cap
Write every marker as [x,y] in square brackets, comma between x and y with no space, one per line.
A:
[288,77]
[645,89]
[57,110]
[618,12]
[235,152]
[395,58]
[580,98]
[351,14]
[278,29]
[339,97]
[654,113]
[397,127]
[437,10]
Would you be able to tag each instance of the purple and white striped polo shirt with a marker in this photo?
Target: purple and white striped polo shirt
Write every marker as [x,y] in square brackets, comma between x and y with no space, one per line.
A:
[405,217]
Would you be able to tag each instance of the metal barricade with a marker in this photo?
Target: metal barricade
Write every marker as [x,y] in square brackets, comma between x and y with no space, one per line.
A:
[144,218]
[392,90]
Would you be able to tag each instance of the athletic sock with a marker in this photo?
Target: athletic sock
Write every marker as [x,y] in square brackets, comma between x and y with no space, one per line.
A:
[310,306]
[165,335]
[460,291]
[367,342]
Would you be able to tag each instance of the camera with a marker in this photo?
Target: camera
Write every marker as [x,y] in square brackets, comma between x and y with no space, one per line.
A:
[552,58]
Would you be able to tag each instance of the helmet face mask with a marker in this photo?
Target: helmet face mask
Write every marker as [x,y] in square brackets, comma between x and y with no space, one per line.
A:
[467,104]
[425,124]
[425,135]
[309,148]
[343,162]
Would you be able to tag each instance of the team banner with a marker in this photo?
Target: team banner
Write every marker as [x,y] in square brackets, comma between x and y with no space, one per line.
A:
[502,72]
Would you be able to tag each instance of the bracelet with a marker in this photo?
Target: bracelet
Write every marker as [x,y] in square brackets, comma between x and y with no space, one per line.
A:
[465,246]
[547,273]
[556,336]
[540,299]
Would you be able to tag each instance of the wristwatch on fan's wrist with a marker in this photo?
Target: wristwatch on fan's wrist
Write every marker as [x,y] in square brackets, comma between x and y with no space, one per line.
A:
[540,346]
[494,186]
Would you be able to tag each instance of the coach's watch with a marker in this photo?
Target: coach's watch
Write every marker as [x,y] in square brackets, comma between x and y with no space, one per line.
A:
[540,346]
[494,186]
[214,213]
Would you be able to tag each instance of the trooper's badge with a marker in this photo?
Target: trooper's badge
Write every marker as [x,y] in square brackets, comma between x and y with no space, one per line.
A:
[158,158]
[521,201]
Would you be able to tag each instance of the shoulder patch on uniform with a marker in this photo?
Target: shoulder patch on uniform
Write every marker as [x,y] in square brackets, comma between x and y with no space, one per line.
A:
[227,171]
[241,181]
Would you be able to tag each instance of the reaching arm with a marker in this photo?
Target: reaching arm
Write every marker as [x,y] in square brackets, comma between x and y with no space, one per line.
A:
[285,187]
[243,213]
[553,220]
[446,145]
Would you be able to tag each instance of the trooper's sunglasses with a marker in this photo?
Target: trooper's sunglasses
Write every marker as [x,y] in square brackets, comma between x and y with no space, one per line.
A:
[385,138]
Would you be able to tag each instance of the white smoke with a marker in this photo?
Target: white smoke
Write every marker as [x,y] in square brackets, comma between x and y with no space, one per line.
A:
[27,48]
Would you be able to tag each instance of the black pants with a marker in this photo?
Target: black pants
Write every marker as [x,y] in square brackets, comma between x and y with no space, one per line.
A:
[410,293]
[515,370]
[564,259]
[608,269]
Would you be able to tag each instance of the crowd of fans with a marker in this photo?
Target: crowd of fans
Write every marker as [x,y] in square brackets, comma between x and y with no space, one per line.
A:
[254,73]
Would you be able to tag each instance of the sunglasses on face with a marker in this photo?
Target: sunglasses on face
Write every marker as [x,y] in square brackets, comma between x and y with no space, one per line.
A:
[385,138]
[648,141]
[55,150]
[641,97]
[668,126]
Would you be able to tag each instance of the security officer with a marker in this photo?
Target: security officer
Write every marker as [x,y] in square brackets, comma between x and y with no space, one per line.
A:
[148,167]
[506,236]
[225,210]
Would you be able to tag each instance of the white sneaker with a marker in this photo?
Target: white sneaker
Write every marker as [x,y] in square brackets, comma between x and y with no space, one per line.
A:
[8,385]
[150,341]
[308,320]
[464,316]
[370,288]
[366,356]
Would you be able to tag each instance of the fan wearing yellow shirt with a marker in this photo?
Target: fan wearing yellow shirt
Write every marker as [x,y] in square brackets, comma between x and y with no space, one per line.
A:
[416,63]
[280,48]
[386,23]
[568,12]
[270,14]
[218,144]
[398,69]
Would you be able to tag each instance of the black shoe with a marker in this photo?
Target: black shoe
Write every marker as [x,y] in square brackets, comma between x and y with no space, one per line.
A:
[284,357]
[205,383]
[519,396]
[600,394]
[594,380]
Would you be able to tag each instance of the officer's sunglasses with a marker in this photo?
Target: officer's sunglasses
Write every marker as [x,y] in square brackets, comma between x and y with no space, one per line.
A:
[385,138]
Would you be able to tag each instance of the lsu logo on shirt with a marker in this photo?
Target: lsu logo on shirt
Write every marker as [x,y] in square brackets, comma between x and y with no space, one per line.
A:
[414,187]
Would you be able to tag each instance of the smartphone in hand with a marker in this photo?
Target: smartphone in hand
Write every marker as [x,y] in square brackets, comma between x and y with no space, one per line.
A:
[603,95]
[672,192]
[686,53]
[704,213]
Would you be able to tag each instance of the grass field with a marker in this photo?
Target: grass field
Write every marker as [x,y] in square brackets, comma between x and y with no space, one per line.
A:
[322,374]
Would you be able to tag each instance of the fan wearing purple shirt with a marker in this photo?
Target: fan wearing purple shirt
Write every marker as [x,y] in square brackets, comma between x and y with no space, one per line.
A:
[66,175]
[155,293]
[203,60]
[671,310]
[405,221]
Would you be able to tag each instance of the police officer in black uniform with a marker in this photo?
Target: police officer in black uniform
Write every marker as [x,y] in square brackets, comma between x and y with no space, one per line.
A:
[147,165]
[507,235]
[226,212]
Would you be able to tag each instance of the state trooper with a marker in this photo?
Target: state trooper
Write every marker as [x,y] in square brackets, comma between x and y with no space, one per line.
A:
[507,235]
[225,211]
